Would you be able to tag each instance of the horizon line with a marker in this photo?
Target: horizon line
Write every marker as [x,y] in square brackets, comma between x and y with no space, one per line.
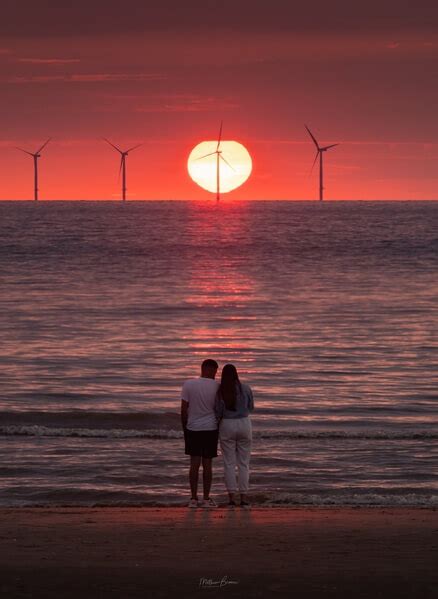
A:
[213,200]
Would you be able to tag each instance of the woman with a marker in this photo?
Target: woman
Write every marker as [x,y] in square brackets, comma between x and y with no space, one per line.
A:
[234,402]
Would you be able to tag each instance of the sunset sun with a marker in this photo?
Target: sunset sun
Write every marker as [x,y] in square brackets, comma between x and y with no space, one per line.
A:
[226,168]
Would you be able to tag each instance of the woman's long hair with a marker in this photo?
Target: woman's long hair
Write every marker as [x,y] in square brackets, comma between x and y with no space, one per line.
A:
[228,387]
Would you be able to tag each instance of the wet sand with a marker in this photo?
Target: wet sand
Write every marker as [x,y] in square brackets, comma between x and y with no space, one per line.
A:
[175,552]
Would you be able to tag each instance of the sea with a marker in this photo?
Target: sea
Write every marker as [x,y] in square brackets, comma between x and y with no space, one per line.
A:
[329,311]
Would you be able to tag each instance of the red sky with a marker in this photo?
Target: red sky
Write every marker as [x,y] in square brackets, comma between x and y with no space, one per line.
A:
[365,77]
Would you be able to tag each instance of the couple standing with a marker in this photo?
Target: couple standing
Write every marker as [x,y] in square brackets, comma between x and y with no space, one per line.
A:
[212,412]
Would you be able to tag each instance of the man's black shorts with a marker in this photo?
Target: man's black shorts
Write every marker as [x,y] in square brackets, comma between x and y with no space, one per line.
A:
[202,443]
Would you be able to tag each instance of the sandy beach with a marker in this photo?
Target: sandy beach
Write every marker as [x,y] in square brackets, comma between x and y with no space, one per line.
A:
[265,552]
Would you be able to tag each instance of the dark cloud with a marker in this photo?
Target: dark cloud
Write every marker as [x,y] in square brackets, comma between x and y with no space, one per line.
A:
[93,17]
[87,78]
[49,61]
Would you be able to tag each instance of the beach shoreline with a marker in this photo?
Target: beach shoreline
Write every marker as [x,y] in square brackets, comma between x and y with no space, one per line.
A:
[279,551]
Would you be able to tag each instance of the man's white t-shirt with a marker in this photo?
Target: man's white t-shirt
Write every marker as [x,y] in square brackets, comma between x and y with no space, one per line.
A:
[200,394]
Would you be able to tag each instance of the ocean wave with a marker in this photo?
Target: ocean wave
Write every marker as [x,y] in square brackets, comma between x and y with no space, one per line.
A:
[346,499]
[88,419]
[277,500]
[45,431]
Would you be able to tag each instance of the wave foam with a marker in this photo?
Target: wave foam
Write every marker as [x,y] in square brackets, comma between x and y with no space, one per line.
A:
[45,431]
[356,499]
[276,500]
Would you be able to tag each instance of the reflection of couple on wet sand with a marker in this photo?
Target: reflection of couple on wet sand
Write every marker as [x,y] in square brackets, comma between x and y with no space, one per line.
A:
[212,412]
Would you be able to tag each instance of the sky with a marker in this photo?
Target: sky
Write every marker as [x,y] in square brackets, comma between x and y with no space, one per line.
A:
[166,76]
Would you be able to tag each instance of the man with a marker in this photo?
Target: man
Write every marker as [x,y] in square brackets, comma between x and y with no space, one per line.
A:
[200,429]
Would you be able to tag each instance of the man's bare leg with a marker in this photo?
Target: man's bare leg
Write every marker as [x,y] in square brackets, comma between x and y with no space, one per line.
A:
[207,475]
[195,462]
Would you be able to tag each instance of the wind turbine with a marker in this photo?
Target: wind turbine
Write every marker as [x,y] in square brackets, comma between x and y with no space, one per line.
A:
[35,157]
[319,152]
[122,169]
[219,157]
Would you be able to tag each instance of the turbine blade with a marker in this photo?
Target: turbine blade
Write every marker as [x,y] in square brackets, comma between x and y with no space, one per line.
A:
[220,137]
[312,136]
[226,162]
[331,146]
[134,148]
[43,146]
[120,169]
[205,155]
[111,144]
[25,151]
[314,162]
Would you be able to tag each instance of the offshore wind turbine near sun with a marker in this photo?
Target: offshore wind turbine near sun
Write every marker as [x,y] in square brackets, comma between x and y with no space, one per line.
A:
[218,154]
[209,168]
[122,169]
[35,156]
[319,153]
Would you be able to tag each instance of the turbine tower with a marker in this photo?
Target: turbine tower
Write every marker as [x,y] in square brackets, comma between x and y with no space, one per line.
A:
[319,152]
[35,157]
[123,155]
[219,157]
